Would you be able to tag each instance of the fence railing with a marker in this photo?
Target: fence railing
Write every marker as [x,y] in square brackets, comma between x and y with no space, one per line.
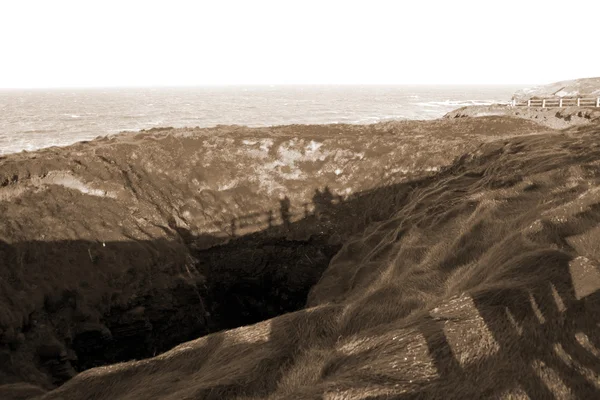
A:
[559,102]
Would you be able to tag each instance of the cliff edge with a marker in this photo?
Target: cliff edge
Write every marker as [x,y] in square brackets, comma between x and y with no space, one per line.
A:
[482,283]
[552,117]
[122,247]
[584,87]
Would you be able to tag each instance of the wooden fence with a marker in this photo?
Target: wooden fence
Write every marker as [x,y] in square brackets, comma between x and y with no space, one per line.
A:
[559,102]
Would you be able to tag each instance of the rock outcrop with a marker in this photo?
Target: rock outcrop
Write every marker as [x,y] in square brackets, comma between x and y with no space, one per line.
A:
[585,87]
[462,263]
[554,118]
[483,283]
[122,247]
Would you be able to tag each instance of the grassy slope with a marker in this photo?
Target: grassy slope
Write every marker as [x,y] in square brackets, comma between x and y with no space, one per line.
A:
[99,229]
[483,284]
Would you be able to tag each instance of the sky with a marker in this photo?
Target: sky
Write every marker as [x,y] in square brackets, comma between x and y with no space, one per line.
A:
[107,43]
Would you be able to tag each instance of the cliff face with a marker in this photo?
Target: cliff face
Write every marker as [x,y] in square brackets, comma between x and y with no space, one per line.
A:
[203,178]
[586,87]
[481,283]
[554,118]
[122,247]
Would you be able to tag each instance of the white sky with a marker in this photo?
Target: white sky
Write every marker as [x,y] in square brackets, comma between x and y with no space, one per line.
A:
[60,43]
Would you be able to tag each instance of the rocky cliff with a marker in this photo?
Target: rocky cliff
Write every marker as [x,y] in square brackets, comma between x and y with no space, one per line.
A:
[585,87]
[454,258]
[554,118]
[122,247]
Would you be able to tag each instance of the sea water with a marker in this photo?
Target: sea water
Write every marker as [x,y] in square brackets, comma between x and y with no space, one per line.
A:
[37,118]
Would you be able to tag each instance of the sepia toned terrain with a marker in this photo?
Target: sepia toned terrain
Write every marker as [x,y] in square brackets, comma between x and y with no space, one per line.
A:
[448,259]
[584,87]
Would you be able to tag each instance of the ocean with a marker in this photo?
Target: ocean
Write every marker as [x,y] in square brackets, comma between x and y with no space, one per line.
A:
[38,118]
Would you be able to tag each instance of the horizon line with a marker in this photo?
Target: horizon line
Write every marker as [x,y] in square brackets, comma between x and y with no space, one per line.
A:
[204,85]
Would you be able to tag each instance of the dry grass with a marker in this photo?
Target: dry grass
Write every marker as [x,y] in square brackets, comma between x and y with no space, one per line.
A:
[483,284]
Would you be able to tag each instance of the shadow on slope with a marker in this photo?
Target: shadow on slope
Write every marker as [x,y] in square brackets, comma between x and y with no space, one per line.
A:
[96,303]
[483,283]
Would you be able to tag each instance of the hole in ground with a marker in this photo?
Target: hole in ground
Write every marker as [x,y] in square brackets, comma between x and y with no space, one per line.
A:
[249,280]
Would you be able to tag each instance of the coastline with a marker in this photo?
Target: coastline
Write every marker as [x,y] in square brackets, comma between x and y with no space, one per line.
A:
[60,117]
[108,243]
[554,118]
[186,193]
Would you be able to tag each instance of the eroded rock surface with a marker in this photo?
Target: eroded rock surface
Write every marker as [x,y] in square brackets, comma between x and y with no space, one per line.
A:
[484,283]
[122,247]
[554,118]
[585,87]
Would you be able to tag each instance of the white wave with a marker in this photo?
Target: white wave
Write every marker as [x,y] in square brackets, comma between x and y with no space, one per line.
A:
[457,103]
[25,129]
[394,117]
[32,145]
[366,119]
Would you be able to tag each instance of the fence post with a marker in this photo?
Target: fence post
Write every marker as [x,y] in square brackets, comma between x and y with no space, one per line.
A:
[514,102]
[560,102]
[578,101]
[543,103]
[528,103]
[598,102]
